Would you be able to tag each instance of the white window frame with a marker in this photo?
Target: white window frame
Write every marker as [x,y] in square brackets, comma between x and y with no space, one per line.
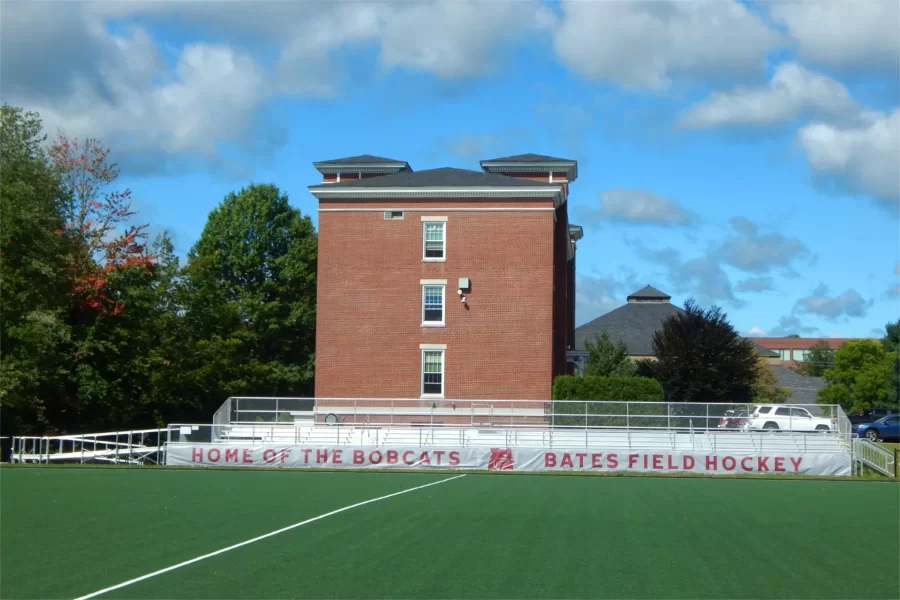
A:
[431,220]
[432,348]
[441,283]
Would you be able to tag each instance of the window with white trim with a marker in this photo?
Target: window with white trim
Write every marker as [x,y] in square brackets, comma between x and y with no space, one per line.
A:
[432,372]
[433,304]
[434,240]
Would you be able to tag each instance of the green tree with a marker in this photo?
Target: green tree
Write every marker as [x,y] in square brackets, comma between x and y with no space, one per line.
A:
[792,336]
[250,297]
[891,343]
[34,332]
[818,359]
[860,377]
[701,358]
[608,359]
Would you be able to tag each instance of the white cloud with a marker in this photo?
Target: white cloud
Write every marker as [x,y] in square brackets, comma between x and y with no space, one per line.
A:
[792,92]
[756,285]
[469,145]
[842,34]
[864,157]
[790,325]
[756,331]
[597,295]
[702,276]
[759,253]
[848,303]
[639,207]
[61,59]
[643,45]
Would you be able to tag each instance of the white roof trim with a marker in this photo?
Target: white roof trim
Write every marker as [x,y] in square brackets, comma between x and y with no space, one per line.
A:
[554,193]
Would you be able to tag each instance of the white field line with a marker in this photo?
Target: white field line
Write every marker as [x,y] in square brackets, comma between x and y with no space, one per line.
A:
[262,537]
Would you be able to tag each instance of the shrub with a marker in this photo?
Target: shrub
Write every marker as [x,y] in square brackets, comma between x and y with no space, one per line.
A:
[621,389]
[569,391]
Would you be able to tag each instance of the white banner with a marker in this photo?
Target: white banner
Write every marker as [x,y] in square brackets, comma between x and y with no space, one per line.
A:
[504,459]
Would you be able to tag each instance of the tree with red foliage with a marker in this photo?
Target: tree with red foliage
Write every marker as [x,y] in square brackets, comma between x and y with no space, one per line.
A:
[93,217]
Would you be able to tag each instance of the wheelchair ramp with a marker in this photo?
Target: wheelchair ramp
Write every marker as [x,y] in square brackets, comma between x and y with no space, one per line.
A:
[136,447]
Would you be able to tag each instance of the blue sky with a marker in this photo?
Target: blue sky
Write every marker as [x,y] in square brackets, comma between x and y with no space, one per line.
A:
[743,154]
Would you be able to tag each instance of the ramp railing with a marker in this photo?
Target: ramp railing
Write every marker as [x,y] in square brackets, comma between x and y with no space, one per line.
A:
[875,457]
[138,446]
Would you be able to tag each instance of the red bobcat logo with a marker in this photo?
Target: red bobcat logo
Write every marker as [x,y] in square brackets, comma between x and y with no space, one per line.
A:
[501,460]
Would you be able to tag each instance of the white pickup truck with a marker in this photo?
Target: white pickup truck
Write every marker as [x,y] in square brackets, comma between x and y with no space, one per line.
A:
[788,418]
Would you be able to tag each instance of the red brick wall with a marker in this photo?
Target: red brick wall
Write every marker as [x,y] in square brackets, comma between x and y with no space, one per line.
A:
[369,302]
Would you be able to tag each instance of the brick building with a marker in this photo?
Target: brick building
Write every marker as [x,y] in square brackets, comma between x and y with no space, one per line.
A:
[445,283]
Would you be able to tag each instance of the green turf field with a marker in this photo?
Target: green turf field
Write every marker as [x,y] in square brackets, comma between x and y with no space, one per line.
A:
[66,533]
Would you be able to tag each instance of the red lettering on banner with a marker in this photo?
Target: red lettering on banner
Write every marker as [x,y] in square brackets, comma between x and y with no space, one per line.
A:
[657,462]
[796,462]
[712,463]
[688,467]
[596,461]
[269,456]
[646,464]
[438,454]
[321,456]
[372,458]
[762,463]
[285,454]
[779,464]
[454,458]
[231,455]
[632,458]
[581,456]
[306,452]
[549,459]
[393,457]
[725,463]
[407,462]
[672,466]
[209,455]
[744,463]
[197,455]
[566,460]
[359,457]
[613,460]
[424,459]
[247,457]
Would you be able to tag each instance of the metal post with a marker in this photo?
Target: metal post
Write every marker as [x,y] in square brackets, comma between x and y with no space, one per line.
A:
[896,470]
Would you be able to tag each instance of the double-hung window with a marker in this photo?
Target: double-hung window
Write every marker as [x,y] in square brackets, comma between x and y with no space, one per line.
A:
[433,304]
[432,372]
[434,238]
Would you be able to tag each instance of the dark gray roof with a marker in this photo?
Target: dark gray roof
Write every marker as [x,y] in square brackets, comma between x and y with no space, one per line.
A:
[650,292]
[764,352]
[443,177]
[522,158]
[804,389]
[362,159]
[632,324]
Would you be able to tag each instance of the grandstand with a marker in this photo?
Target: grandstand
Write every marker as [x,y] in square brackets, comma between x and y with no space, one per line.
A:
[478,435]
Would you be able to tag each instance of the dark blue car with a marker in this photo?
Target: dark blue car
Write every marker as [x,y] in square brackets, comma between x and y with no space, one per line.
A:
[885,428]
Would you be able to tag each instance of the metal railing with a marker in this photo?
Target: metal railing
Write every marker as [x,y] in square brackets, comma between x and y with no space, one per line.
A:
[139,446]
[382,412]
[646,438]
[875,457]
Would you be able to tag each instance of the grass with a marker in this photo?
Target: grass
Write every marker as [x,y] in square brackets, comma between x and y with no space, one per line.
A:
[69,532]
